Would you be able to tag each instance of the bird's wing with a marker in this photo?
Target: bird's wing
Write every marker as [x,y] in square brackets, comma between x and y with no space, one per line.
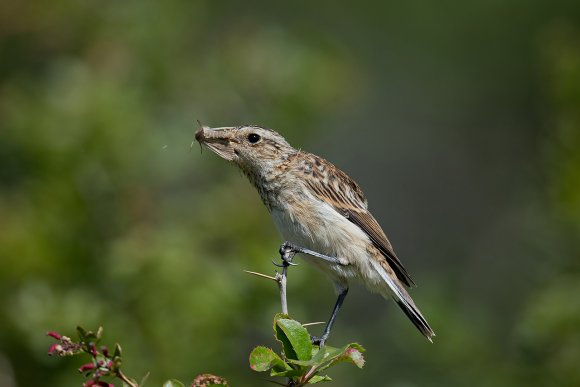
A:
[370,226]
[336,188]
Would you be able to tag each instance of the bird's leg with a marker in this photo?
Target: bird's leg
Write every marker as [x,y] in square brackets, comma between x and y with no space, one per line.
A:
[289,248]
[287,253]
[320,341]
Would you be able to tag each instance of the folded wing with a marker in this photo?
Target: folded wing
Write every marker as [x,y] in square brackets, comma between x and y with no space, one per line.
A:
[337,189]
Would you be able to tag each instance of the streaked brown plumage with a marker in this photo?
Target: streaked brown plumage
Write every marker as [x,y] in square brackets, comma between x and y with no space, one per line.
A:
[317,206]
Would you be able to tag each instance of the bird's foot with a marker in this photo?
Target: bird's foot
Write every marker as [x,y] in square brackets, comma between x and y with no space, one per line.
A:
[318,340]
[288,250]
[287,253]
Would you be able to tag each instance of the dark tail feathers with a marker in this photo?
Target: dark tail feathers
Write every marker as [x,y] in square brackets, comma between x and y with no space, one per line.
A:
[417,318]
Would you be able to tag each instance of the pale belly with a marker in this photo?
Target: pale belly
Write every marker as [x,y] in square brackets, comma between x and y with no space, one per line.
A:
[322,229]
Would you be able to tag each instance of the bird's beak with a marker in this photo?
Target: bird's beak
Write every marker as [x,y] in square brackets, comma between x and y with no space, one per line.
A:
[218,140]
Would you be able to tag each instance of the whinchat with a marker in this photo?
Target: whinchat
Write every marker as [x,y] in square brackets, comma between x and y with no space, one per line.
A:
[319,207]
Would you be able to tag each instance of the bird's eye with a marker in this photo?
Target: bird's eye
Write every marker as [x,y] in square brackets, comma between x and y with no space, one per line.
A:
[253,138]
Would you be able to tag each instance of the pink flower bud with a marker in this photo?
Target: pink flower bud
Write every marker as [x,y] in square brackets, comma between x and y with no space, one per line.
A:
[55,349]
[54,335]
[87,367]
[93,349]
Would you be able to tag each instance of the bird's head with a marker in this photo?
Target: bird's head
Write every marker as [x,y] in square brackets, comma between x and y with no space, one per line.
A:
[254,149]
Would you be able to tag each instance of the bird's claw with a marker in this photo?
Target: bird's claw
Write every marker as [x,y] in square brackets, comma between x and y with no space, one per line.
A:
[284,263]
[318,340]
[287,253]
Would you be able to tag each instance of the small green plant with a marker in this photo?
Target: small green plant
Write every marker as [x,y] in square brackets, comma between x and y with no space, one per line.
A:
[300,361]
[106,365]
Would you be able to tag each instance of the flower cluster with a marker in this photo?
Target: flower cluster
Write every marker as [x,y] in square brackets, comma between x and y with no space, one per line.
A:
[64,347]
[101,366]
[205,380]
[103,363]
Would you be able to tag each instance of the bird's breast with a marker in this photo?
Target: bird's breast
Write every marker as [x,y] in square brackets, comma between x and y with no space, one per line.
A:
[316,225]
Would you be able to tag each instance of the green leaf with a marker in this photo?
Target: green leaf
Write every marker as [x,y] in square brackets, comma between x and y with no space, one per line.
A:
[173,383]
[263,359]
[82,333]
[319,378]
[277,317]
[280,337]
[351,353]
[117,352]
[295,339]
[89,336]
[355,356]
[319,356]
[287,349]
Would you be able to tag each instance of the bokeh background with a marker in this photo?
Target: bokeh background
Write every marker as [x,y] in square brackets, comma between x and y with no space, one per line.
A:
[460,120]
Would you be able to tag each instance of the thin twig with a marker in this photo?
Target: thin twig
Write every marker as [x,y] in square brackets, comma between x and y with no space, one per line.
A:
[126,380]
[309,374]
[261,275]
[314,323]
[287,253]
[281,279]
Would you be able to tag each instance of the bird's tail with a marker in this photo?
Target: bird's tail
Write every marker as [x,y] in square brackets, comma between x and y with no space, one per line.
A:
[400,295]
[414,314]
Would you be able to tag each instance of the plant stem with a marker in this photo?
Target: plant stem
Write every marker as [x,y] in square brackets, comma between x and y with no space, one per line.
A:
[281,280]
[126,380]
[287,253]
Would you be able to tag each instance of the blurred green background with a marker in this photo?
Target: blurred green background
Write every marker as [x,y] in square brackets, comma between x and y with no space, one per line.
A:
[460,120]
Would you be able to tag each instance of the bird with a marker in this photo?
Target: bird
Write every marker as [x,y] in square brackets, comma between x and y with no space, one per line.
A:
[318,207]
